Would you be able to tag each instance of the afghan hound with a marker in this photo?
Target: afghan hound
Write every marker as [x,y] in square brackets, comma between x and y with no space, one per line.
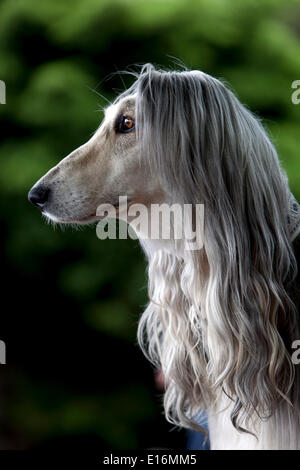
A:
[223,320]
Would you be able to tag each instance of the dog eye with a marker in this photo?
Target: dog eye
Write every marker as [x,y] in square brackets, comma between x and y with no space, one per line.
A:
[126,124]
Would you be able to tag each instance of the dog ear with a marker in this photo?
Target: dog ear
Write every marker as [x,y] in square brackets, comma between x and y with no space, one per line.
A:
[207,148]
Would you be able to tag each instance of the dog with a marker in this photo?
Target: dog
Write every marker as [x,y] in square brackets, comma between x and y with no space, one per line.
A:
[223,320]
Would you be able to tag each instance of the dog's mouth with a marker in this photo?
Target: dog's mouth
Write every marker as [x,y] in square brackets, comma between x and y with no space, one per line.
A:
[70,220]
[119,211]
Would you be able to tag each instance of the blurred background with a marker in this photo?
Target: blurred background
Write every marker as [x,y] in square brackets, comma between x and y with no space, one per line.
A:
[70,303]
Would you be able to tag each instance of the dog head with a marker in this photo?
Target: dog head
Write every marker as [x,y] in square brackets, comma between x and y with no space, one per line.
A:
[98,172]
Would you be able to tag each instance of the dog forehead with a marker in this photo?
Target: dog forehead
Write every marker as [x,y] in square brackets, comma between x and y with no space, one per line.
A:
[128,104]
[125,105]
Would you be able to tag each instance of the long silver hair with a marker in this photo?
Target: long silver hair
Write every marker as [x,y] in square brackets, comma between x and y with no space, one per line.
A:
[220,319]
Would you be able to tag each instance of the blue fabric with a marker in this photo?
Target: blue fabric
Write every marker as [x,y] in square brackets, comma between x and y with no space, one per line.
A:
[196,440]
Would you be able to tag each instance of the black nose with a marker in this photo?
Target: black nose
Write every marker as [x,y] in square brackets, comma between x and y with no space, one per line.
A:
[38,195]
